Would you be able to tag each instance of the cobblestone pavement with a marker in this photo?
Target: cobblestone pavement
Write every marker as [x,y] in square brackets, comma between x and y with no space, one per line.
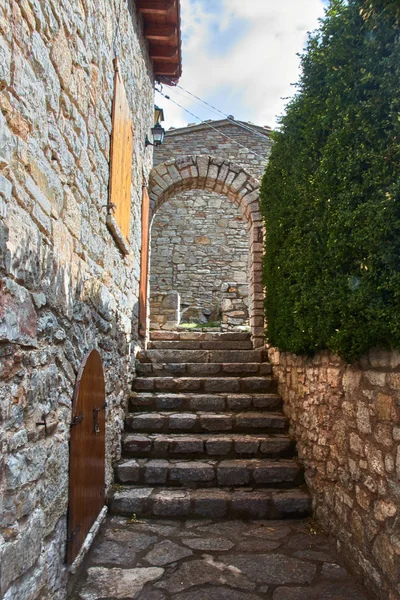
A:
[213,560]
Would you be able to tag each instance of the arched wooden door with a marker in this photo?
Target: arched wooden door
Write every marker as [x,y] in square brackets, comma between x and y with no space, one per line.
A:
[87,453]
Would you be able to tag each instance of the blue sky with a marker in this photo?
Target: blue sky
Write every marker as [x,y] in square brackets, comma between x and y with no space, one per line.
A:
[240,56]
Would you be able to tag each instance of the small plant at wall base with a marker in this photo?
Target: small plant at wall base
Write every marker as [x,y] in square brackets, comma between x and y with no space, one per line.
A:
[330,193]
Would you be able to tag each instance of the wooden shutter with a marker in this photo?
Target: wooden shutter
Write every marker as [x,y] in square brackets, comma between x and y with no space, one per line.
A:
[120,165]
[144,262]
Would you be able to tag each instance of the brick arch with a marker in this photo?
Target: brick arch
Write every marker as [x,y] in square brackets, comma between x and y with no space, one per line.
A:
[226,178]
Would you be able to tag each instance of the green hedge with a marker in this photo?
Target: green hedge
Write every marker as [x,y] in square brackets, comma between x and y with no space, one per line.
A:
[330,193]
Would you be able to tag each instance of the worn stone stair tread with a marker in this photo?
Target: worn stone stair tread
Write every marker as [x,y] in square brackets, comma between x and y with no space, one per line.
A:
[254,472]
[200,335]
[203,384]
[240,369]
[211,502]
[200,345]
[218,401]
[206,434]
[196,421]
[202,356]
[206,444]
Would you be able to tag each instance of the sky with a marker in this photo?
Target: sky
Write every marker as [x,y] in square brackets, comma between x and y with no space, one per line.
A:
[241,57]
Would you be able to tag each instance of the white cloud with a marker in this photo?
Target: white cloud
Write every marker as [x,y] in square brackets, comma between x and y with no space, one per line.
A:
[249,76]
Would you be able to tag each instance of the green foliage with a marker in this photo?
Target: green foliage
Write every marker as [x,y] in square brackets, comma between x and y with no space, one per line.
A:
[330,193]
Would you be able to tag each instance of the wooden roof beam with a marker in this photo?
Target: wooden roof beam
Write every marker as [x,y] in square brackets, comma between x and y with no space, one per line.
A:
[160,33]
[155,7]
[168,69]
[163,52]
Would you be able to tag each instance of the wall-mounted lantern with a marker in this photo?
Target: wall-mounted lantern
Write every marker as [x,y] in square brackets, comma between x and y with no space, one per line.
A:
[157,131]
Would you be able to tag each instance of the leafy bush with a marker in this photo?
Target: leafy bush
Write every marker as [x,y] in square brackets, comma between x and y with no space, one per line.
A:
[330,193]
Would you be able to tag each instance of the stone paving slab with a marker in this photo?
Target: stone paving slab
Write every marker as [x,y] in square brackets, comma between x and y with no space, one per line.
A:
[158,559]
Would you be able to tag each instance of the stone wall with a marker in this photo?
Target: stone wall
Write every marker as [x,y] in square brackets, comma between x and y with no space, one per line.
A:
[251,155]
[199,241]
[165,310]
[346,421]
[215,174]
[199,238]
[234,306]
[64,285]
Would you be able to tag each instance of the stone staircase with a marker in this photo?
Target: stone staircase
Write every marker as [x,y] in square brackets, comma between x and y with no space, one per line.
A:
[205,435]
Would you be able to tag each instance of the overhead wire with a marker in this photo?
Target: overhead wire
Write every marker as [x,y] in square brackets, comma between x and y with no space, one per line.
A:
[210,126]
[215,109]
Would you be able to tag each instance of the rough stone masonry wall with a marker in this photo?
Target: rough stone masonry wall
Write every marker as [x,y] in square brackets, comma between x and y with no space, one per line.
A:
[198,242]
[201,139]
[199,239]
[346,421]
[65,287]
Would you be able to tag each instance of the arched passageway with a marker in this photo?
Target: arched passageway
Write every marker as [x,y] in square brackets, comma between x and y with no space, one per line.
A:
[221,176]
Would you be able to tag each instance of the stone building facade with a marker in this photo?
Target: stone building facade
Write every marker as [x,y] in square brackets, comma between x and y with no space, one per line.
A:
[65,287]
[199,238]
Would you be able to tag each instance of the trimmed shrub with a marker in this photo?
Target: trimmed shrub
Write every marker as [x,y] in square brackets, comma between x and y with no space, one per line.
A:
[330,193]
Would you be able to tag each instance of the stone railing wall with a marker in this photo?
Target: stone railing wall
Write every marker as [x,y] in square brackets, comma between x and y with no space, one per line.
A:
[346,421]
[65,288]
[235,306]
[165,308]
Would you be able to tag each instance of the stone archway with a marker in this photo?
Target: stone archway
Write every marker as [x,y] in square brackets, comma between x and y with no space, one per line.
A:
[223,177]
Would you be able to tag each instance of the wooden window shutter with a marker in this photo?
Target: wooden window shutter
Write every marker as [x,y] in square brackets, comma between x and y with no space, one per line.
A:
[144,262]
[119,200]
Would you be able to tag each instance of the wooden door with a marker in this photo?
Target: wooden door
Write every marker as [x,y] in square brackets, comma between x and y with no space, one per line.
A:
[87,453]
[144,262]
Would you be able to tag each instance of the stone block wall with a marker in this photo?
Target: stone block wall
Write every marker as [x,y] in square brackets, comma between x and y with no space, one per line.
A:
[251,155]
[346,421]
[235,306]
[199,241]
[64,285]
[165,310]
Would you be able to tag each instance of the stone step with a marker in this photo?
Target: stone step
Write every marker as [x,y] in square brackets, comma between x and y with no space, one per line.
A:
[204,384]
[206,402]
[202,369]
[199,345]
[234,336]
[203,356]
[158,445]
[197,422]
[283,473]
[211,503]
